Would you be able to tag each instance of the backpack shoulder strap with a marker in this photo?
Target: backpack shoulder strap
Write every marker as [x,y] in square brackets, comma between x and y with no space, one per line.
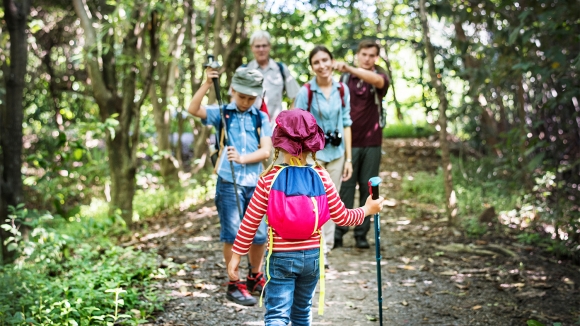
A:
[341,91]
[281,67]
[307,85]
[257,121]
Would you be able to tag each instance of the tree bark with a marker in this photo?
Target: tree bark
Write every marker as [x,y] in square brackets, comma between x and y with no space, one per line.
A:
[200,132]
[12,114]
[384,56]
[489,128]
[450,198]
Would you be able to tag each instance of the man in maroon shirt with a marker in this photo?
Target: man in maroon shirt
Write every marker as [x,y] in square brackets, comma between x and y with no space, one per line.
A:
[368,84]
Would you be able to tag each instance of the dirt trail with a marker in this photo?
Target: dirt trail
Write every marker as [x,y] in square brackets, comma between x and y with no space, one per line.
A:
[422,284]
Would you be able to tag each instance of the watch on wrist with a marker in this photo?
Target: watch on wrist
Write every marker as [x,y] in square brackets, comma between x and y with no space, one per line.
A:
[348,160]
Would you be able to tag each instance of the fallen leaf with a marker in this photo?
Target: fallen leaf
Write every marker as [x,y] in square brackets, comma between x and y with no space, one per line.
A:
[406,267]
[462,287]
[371,318]
[181,273]
[431,260]
[392,271]
[448,273]
[542,285]
[404,303]
[531,294]
[568,281]
[476,307]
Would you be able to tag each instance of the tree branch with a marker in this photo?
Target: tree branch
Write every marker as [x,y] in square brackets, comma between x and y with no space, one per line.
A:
[101,93]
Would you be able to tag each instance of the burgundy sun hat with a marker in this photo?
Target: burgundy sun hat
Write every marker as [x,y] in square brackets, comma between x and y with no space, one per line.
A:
[297,131]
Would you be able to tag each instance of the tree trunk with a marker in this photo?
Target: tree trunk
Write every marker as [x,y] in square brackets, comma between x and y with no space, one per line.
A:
[384,55]
[122,146]
[450,198]
[12,114]
[123,173]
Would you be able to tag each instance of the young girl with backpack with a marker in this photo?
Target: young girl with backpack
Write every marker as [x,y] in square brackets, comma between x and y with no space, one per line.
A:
[296,211]
[329,102]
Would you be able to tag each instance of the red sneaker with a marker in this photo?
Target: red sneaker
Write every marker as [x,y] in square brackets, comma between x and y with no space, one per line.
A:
[238,293]
[256,284]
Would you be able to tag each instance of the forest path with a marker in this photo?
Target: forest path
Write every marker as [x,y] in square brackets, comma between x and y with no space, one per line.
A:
[422,284]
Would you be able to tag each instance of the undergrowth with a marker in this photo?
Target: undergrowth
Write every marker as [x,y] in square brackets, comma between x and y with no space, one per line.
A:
[481,184]
[72,272]
[408,130]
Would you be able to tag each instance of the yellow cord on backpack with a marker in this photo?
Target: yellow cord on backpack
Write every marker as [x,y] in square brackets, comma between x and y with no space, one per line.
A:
[295,161]
[322,287]
[270,247]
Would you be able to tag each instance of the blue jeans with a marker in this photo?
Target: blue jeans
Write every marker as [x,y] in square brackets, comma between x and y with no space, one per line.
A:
[230,220]
[293,278]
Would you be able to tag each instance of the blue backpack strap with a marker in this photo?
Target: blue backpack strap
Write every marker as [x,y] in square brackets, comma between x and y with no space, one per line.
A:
[281,67]
[221,127]
[256,120]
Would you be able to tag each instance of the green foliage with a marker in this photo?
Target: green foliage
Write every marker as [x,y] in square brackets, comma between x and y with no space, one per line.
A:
[65,277]
[473,227]
[424,187]
[475,191]
[405,130]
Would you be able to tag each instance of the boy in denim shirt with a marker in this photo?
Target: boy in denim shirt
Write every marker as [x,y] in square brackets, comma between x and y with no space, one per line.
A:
[247,153]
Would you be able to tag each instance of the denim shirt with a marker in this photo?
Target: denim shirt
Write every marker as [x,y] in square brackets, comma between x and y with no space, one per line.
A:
[241,135]
[329,114]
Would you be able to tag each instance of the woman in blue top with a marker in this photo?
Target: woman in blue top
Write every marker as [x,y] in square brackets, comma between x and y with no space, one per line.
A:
[329,102]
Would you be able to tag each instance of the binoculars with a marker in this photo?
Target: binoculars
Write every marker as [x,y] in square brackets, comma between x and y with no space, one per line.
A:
[333,138]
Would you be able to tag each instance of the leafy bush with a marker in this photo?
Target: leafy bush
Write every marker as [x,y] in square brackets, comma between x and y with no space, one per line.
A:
[474,192]
[78,279]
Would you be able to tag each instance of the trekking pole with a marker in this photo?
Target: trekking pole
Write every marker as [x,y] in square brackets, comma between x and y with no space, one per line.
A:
[216,84]
[374,190]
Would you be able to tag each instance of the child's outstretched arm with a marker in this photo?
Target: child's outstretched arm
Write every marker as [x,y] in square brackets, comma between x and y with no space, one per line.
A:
[195,107]
[339,213]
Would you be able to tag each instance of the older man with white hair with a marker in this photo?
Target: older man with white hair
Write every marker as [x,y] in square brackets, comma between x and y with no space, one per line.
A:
[277,77]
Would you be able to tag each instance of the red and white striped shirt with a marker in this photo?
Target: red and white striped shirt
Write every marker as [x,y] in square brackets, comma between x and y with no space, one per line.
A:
[259,203]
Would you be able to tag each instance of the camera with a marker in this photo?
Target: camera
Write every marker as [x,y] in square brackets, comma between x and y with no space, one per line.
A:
[333,138]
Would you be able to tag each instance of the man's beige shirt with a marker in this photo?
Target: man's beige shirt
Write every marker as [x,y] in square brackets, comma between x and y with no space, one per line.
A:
[274,87]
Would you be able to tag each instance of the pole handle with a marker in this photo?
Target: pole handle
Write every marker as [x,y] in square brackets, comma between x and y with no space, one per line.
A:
[374,187]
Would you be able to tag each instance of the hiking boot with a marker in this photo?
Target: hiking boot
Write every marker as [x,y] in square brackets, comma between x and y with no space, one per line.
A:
[238,293]
[256,284]
[337,242]
[361,243]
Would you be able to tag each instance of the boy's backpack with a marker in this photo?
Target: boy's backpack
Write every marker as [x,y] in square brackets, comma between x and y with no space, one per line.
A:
[219,143]
[382,112]
[311,94]
[297,209]
[297,205]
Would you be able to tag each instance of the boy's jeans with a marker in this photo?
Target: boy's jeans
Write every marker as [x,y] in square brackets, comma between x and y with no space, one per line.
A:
[230,220]
[289,293]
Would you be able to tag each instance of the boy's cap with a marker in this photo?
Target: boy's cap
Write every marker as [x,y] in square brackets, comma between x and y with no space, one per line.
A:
[248,81]
[296,131]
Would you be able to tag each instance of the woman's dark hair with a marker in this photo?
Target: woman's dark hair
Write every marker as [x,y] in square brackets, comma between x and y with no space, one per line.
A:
[317,49]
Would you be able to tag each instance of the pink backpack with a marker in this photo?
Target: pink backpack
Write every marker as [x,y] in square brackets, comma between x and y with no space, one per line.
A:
[297,205]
